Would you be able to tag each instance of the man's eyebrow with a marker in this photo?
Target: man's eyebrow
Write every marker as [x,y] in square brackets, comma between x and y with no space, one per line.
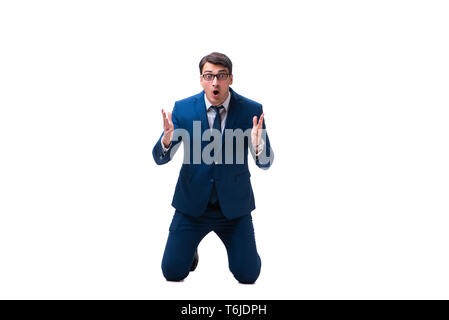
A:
[222,70]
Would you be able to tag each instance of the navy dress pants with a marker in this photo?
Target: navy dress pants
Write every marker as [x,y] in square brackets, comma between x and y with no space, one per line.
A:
[186,232]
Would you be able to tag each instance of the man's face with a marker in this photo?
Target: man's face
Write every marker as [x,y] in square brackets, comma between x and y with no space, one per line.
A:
[216,90]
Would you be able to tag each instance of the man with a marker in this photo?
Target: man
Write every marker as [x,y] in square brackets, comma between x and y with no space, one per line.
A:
[214,192]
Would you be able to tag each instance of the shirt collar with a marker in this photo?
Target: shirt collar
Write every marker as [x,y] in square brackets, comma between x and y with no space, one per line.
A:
[225,103]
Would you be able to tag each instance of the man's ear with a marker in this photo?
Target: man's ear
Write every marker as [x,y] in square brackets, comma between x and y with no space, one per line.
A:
[231,78]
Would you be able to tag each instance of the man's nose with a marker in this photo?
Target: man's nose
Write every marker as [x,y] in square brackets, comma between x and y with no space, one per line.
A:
[214,82]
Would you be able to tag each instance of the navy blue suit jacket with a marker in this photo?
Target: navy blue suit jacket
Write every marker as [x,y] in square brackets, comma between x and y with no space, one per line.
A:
[196,178]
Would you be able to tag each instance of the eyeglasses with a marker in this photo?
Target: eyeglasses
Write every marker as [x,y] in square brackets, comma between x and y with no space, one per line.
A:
[210,76]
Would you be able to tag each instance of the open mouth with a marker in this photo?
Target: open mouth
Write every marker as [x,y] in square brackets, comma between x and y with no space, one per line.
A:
[215,92]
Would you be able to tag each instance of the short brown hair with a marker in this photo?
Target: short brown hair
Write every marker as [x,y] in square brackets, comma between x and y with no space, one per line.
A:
[216,58]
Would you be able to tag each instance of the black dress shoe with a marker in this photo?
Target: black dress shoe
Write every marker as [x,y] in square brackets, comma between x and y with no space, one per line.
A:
[195,261]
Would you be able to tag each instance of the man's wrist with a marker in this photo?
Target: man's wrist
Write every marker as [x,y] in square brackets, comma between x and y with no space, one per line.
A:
[259,148]
[164,148]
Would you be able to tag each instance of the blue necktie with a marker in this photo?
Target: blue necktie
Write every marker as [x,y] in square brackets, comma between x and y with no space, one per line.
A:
[217,120]
[217,125]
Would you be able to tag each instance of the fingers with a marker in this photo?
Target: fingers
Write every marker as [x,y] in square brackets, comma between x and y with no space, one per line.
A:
[164,119]
[166,122]
[259,125]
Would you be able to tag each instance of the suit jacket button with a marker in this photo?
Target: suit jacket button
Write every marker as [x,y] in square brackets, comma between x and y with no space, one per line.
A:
[211,180]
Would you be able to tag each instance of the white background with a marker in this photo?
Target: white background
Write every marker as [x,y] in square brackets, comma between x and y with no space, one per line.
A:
[355,95]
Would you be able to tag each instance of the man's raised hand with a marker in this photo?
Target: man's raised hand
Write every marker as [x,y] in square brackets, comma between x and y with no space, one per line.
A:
[256,132]
[168,129]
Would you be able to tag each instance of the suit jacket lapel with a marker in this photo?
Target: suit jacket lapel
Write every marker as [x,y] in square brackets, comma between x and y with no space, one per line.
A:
[200,109]
[232,111]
